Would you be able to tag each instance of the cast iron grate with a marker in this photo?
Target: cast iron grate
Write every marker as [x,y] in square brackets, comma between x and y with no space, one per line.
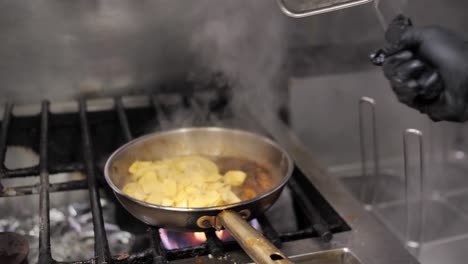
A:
[70,142]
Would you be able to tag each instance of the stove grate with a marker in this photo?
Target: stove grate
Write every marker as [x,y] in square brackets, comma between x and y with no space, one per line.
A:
[47,134]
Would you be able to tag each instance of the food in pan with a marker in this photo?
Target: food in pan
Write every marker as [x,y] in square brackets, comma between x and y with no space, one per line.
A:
[188,181]
[196,181]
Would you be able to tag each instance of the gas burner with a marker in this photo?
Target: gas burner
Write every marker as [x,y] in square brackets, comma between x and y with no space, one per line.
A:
[14,248]
[177,240]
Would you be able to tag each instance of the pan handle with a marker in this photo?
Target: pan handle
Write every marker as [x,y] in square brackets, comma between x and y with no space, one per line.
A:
[254,244]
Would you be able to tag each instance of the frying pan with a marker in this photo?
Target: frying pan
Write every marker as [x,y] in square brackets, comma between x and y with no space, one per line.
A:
[214,142]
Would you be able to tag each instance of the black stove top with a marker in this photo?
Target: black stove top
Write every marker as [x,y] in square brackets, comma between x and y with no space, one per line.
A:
[81,140]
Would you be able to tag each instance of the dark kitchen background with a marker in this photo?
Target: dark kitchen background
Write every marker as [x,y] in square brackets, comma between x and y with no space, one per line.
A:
[316,69]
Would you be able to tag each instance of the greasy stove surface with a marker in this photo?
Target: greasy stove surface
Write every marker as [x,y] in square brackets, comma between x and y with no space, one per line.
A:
[78,137]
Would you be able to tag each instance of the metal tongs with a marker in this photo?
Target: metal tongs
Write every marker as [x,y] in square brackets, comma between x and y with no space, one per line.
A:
[305,8]
[393,35]
[386,10]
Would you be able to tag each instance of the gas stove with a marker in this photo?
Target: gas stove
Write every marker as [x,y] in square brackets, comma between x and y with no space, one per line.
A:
[60,203]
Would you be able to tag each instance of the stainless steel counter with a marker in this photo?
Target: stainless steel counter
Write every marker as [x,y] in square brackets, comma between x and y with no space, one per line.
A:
[369,240]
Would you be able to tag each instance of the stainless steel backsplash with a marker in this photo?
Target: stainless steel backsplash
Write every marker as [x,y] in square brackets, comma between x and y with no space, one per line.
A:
[63,49]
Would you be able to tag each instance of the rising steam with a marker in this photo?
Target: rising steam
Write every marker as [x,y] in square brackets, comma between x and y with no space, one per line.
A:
[246,42]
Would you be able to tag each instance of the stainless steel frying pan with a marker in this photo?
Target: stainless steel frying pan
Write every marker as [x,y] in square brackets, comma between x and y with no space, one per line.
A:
[217,142]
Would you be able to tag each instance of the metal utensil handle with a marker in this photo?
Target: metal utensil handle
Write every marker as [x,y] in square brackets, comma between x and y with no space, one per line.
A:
[324,8]
[387,10]
[414,242]
[254,244]
[399,25]
[368,195]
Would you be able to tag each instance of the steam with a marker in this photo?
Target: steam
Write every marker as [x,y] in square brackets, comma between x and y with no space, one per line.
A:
[246,42]
[119,47]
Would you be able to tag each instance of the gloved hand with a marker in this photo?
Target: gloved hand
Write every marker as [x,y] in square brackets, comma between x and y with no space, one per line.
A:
[430,73]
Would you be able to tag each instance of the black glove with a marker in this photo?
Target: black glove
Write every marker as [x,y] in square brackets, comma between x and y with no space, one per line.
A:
[430,73]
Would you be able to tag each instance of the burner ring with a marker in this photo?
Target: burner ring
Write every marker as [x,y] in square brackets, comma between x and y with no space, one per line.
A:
[14,248]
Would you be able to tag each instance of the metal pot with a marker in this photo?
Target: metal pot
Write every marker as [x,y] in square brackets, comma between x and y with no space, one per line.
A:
[211,141]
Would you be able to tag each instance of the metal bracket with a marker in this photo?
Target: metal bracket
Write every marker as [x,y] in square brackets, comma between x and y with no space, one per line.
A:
[368,195]
[206,221]
[414,237]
